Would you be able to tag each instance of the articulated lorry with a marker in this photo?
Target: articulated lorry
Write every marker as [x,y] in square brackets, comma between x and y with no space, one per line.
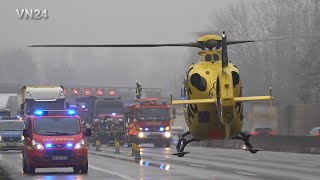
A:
[31,98]
[264,119]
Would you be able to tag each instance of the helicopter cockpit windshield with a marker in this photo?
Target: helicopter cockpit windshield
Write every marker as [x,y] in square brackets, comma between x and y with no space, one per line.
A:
[211,57]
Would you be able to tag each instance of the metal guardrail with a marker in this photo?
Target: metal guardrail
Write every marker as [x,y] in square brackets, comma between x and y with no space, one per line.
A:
[8,88]
[296,144]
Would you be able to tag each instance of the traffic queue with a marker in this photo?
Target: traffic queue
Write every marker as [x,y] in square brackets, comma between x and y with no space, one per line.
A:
[54,133]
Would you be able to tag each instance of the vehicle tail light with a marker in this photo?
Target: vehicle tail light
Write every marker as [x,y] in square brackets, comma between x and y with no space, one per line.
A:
[254,133]
[272,133]
[318,134]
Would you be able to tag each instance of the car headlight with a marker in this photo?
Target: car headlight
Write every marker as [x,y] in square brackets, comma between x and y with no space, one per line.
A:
[81,144]
[244,147]
[167,128]
[167,134]
[140,134]
[37,145]
[22,138]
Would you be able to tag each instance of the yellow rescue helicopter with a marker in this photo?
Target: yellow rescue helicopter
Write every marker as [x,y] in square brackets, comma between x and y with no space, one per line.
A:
[212,91]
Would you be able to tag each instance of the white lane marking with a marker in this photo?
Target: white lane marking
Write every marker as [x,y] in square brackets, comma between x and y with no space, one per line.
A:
[112,172]
[251,159]
[197,165]
[310,165]
[161,159]
[246,173]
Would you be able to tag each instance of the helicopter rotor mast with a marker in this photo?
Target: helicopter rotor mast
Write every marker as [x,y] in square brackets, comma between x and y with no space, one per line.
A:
[224,50]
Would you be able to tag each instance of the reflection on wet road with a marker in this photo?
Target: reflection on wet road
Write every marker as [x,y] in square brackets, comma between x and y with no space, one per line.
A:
[158,163]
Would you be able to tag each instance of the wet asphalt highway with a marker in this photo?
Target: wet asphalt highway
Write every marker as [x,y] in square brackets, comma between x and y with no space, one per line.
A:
[158,163]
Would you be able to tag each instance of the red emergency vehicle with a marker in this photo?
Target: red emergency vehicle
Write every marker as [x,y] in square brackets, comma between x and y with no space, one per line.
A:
[153,119]
[54,139]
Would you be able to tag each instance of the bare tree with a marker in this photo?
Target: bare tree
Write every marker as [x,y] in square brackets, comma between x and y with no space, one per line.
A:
[291,66]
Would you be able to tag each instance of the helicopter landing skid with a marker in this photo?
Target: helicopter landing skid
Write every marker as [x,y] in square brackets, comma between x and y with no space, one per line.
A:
[180,154]
[245,138]
[182,143]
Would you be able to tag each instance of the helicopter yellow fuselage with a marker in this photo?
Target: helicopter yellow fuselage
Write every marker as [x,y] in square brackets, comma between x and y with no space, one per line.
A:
[204,120]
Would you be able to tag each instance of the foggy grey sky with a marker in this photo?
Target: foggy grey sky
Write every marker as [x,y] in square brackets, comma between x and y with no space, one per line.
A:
[112,21]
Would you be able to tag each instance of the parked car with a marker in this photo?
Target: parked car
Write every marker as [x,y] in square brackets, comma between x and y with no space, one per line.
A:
[263,131]
[314,131]
[11,133]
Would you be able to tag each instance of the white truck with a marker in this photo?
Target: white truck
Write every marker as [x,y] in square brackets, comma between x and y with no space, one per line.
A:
[8,104]
[31,98]
[264,117]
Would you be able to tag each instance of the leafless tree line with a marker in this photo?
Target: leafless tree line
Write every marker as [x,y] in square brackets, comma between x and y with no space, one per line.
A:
[291,66]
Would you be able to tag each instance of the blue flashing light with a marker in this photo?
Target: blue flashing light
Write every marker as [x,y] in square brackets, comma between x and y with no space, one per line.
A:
[38,113]
[161,129]
[69,145]
[146,129]
[83,106]
[72,112]
[161,166]
[48,145]
[147,163]
[113,114]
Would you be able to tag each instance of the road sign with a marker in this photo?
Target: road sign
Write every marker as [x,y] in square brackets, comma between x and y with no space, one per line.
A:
[87,92]
[99,92]
[75,91]
[112,92]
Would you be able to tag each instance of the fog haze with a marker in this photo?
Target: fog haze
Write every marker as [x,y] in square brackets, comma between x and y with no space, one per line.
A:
[102,22]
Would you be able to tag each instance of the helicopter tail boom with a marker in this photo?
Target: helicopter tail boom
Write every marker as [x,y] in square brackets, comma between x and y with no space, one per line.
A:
[253,98]
[206,101]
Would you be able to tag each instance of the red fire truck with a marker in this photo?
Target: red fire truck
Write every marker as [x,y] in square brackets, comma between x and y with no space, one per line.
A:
[154,121]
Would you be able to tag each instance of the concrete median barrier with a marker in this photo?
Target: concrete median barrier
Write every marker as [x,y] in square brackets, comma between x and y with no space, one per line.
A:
[296,144]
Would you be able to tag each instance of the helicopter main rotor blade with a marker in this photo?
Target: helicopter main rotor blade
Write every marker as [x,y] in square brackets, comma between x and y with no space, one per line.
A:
[190,44]
[274,38]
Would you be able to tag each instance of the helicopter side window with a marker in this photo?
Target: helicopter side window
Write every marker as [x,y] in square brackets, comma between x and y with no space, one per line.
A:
[215,57]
